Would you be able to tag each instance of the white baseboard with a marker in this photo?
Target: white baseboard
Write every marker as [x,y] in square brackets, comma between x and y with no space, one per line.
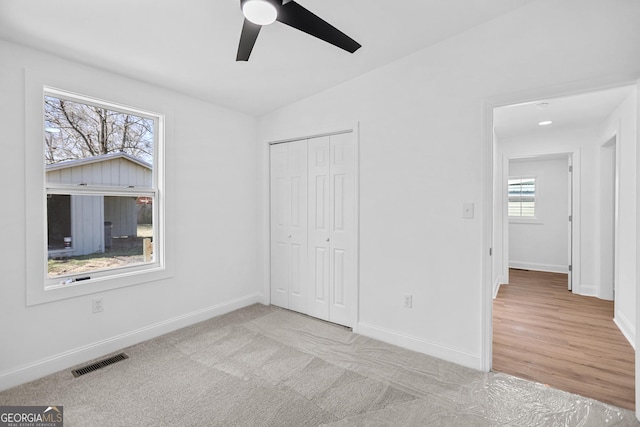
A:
[496,285]
[551,268]
[626,327]
[587,290]
[58,362]
[416,344]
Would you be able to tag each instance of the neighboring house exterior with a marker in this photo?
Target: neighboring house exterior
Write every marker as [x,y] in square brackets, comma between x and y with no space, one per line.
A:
[87,219]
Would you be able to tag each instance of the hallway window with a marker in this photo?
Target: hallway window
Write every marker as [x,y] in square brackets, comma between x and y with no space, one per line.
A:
[522,197]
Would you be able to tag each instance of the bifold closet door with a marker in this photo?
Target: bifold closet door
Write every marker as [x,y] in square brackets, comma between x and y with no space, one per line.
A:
[332,228]
[289,273]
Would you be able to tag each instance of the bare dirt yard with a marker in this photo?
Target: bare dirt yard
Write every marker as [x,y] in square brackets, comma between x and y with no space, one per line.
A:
[124,251]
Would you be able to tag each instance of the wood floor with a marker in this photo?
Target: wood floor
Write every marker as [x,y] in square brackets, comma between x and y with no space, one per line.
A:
[543,332]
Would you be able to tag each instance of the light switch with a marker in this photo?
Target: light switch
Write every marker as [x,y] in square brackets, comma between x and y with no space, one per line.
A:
[467,210]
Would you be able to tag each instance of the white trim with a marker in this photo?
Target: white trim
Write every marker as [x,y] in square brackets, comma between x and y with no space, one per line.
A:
[587,290]
[73,357]
[551,268]
[420,345]
[77,96]
[96,190]
[312,136]
[36,83]
[626,327]
[487,247]
[496,285]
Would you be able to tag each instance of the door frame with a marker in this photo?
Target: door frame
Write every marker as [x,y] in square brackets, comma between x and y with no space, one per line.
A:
[612,146]
[574,210]
[296,133]
[487,159]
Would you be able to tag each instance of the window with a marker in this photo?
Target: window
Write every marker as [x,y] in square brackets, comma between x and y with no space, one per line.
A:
[522,197]
[102,190]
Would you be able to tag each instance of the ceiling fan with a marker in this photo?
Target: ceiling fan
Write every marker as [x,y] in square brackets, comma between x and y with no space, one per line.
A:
[264,12]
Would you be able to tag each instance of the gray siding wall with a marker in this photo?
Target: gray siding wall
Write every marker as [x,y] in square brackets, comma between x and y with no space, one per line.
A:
[87,224]
[122,213]
[112,172]
[88,213]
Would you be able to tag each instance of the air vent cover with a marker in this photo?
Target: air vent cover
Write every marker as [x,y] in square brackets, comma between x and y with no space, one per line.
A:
[100,364]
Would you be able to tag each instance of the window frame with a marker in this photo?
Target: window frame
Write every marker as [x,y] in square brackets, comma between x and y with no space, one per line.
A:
[536,218]
[41,288]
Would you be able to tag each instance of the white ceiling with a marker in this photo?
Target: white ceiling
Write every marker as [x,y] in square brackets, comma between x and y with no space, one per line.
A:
[190,46]
[570,112]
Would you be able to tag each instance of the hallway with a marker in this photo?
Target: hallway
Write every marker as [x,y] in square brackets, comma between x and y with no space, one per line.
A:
[544,333]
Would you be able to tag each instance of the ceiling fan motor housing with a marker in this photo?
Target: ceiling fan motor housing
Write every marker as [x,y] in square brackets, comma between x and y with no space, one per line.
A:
[276,3]
[264,12]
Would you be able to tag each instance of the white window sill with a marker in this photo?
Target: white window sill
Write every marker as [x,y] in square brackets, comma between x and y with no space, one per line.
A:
[516,220]
[44,294]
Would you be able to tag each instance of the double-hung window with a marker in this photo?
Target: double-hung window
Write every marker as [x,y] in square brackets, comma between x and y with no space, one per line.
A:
[102,190]
[522,197]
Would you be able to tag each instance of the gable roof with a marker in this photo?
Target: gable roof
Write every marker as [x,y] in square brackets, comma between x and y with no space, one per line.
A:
[96,159]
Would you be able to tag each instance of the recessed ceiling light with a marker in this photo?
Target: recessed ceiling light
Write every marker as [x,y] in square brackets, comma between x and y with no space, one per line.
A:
[542,105]
[545,123]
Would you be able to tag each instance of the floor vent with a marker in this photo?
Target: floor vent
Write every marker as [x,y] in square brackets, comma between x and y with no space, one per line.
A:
[101,364]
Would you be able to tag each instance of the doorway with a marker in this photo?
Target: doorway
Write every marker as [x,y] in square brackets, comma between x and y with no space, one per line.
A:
[539,213]
[599,192]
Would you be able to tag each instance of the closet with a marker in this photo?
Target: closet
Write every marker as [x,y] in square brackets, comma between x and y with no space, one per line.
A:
[314,227]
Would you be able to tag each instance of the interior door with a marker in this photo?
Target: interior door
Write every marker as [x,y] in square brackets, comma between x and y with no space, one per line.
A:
[289,225]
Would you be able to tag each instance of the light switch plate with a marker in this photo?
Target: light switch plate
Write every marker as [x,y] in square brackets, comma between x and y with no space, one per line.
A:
[467,210]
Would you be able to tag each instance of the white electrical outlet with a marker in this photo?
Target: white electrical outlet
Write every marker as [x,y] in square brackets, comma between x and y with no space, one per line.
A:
[408,301]
[97,305]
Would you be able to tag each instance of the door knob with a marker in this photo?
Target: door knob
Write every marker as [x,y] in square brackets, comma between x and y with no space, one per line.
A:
[327,239]
[289,235]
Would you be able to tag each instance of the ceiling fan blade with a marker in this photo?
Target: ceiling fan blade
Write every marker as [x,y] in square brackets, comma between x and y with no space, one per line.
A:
[248,38]
[296,16]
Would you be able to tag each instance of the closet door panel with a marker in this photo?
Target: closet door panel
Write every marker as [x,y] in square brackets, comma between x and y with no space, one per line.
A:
[319,227]
[297,237]
[343,232]
[280,221]
[314,227]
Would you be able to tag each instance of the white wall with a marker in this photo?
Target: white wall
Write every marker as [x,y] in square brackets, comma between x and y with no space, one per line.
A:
[213,201]
[542,244]
[623,124]
[421,130]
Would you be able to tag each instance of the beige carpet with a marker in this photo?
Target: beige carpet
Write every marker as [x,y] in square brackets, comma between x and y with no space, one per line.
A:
[263,366]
